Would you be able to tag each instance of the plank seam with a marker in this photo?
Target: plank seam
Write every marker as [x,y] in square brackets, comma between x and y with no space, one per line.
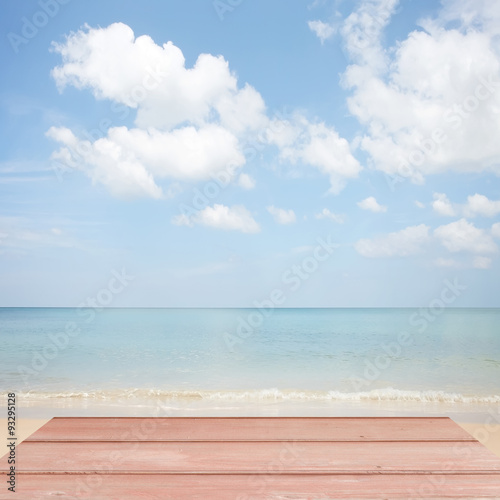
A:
[265,473]
[291,440]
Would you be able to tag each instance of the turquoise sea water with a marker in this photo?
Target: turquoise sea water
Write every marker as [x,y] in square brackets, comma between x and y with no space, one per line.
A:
[450,355]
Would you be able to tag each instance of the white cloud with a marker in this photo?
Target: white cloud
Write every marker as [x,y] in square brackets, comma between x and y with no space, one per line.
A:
[476,205]
[323,31]
[372,204]
[481,262]
[495,230]
[463,236]
[430,103]
[408,241]
[419,204]
[472,13]
[282,216]
[105,162]
[138,73]
[188,124]
[481,205]
[442,205]
[331,154]
[243,111]
[235,218]
[317,145]
[327,214]
[191,122]
[246,182]
[130,161]
[363,29]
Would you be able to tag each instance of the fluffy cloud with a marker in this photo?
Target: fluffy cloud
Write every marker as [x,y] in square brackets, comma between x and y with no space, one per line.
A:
[409,241]
[327,214]
[188,122]
[322,30]
[442,205]
[128,161]
[317,145]
[191,122]
[473,13]
[138,73]
[282,216]
[235,218]
[481,205]
[363,28]
[431,104]
[105,162]
[476,205]
[495,230]
[463,236]
[244,111]
[372,204]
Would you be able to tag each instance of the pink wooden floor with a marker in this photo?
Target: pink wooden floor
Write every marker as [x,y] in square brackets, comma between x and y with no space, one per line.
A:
[253,458]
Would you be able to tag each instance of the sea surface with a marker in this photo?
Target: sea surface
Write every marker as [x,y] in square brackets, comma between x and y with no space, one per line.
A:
[437,360]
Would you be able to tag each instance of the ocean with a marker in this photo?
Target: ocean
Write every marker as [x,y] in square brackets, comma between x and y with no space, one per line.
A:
[272,361]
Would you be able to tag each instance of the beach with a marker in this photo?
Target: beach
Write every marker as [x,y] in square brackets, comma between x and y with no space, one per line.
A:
[481,423]
[242,362]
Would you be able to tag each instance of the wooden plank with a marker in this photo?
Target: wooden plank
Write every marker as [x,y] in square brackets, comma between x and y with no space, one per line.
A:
[268,457]
[293,458]
[256,487]
[251,429]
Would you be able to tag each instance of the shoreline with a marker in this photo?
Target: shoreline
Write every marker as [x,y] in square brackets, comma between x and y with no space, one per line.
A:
[482,421]
[157,405]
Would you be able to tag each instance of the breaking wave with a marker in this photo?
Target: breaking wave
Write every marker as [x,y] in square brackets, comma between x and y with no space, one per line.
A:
[269,395]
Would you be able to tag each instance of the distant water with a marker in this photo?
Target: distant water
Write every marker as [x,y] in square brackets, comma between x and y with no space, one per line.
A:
[450,356]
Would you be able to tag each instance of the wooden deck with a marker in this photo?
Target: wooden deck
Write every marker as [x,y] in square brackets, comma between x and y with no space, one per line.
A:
[253,459]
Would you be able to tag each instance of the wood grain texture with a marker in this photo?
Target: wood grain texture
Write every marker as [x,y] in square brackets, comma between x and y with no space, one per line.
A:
[251,429]
[252,459]
[257,487]
[255,456]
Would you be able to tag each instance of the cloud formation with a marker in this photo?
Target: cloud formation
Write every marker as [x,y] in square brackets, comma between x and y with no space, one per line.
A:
[234,218]
[191,122]
[322,30]
[408,241]
[442,205]
[282,216]
[463,236]
[327,214]
[372,205]
[477,205]
[316,145]
[430,103]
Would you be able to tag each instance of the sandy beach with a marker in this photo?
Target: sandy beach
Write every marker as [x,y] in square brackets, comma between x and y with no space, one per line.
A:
[486,433]
[25,427]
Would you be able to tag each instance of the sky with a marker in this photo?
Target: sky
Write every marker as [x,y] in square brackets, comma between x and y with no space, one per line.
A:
[237,153]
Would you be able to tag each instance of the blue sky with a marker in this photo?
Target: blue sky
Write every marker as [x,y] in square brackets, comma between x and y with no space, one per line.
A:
[343,153]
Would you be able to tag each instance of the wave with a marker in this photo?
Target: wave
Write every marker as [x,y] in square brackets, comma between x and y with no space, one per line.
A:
[270,395]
